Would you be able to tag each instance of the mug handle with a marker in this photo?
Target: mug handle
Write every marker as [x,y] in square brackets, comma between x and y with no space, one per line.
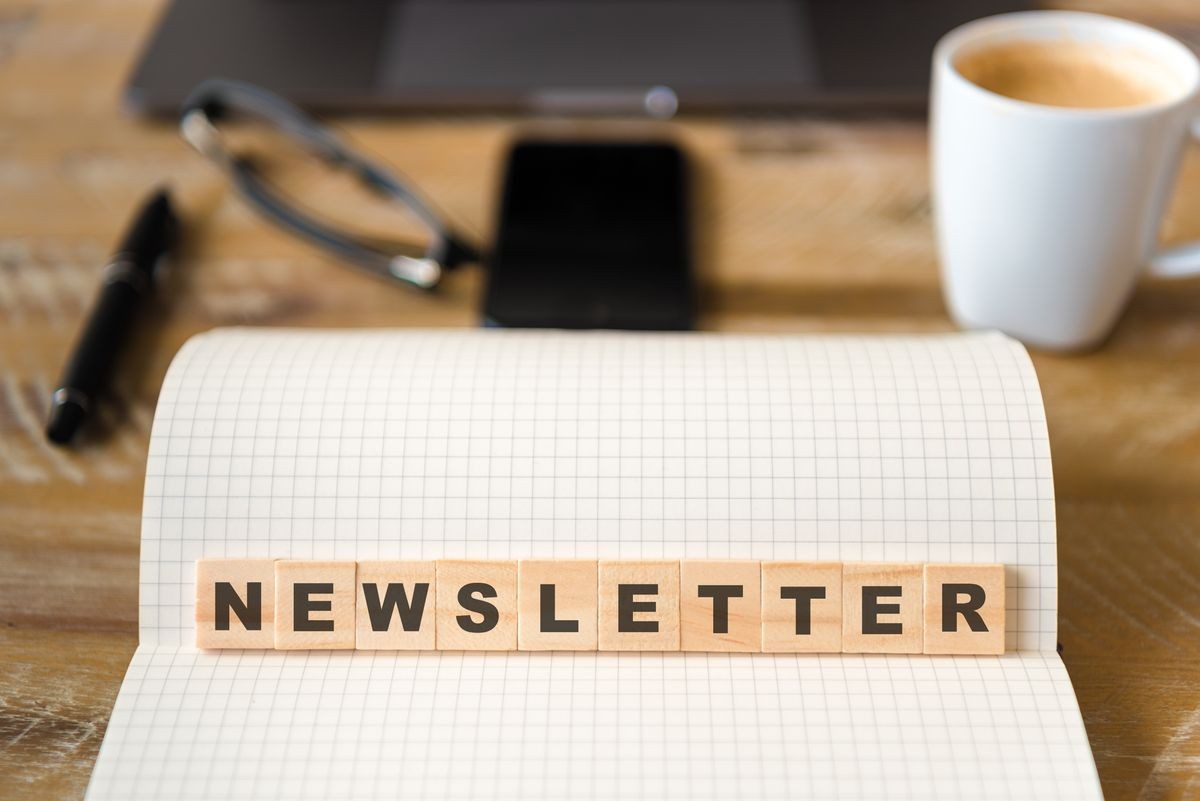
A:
[1180,261]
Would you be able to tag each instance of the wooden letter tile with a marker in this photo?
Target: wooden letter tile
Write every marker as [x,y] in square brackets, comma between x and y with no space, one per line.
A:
[719,606]
[314,605]
[964,609]
[396,606]
[802,607]
[639,606]
[476,605]
[235,603]
[882,611]
[558,605]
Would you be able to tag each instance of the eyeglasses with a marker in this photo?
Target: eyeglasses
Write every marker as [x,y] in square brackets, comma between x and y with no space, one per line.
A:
[216,102]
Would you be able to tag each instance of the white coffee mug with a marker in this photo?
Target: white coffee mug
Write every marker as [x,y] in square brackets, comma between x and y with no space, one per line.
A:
[1046,215]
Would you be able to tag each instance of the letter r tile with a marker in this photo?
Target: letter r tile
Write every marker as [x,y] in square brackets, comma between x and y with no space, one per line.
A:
[964,609]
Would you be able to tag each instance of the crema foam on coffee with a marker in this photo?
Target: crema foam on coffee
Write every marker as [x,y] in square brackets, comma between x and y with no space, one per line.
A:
[1068,73]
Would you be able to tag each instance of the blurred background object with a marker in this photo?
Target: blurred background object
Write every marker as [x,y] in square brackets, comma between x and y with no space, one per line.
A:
[631,56]
[592,233]
[267,129]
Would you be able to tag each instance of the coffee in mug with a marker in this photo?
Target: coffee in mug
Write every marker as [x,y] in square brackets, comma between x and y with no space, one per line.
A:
[1071,74]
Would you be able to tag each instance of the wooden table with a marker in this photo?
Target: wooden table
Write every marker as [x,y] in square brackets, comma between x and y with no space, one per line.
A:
[804,225]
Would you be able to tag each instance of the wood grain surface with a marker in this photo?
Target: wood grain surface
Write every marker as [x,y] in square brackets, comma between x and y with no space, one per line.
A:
[804,224]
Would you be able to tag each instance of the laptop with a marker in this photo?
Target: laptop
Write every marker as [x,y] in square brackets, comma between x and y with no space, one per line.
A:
[654,57]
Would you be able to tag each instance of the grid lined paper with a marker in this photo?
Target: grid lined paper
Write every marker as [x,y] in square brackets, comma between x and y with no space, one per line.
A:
[381,445]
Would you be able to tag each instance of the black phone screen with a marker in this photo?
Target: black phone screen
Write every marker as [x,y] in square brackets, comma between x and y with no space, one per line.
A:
[592,235]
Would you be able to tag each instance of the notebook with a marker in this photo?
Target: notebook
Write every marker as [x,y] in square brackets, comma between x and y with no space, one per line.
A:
[432,444]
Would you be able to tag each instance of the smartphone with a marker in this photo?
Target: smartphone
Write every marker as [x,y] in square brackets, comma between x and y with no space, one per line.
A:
[592,234]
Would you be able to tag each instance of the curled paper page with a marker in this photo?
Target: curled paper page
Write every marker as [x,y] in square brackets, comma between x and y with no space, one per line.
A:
[516,445]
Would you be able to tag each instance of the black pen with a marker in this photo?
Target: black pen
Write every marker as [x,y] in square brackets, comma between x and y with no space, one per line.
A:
[128,282]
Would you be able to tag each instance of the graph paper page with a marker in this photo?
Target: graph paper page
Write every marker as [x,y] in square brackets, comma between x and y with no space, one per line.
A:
[429,444]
